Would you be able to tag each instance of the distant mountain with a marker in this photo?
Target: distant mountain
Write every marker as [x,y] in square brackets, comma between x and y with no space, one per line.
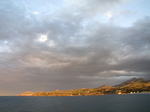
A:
[133,80]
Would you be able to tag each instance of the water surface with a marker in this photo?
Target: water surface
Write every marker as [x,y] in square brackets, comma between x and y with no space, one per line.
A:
[104,103]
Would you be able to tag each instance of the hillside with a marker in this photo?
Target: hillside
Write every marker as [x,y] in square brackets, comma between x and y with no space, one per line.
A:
[133,80]
[130,86]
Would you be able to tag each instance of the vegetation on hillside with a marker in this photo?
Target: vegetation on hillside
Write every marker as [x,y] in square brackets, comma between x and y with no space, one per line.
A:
[131,86]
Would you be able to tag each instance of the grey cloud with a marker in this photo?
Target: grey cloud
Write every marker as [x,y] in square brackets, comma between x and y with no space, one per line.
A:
[138,36]
[11,14]
[135,64]
[89,7]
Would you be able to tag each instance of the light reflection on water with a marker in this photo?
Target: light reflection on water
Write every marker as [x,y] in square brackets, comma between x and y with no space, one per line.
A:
[104,103]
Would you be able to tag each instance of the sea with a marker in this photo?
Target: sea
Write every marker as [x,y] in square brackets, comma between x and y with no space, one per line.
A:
[102,103]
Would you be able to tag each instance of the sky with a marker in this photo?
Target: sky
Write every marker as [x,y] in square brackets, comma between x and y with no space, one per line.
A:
[69,44]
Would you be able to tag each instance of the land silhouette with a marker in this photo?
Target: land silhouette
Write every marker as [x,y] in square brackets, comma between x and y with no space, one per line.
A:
[134,85]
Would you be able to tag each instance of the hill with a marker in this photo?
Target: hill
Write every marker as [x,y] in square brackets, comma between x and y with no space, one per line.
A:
[134,85]
[133,80]
[27,93]
[105,87]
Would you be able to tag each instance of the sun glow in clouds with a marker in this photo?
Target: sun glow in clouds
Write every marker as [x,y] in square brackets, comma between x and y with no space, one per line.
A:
[108,14]
[42,38]
[37,13]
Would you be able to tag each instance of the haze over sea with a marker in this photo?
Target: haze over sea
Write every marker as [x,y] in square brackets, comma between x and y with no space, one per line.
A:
[103,103]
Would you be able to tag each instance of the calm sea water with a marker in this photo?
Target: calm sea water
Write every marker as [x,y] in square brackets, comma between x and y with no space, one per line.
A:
[105,103]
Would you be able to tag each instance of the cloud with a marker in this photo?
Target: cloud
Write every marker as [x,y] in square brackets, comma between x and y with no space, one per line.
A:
[139,35]
[93,6]
[69,49]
